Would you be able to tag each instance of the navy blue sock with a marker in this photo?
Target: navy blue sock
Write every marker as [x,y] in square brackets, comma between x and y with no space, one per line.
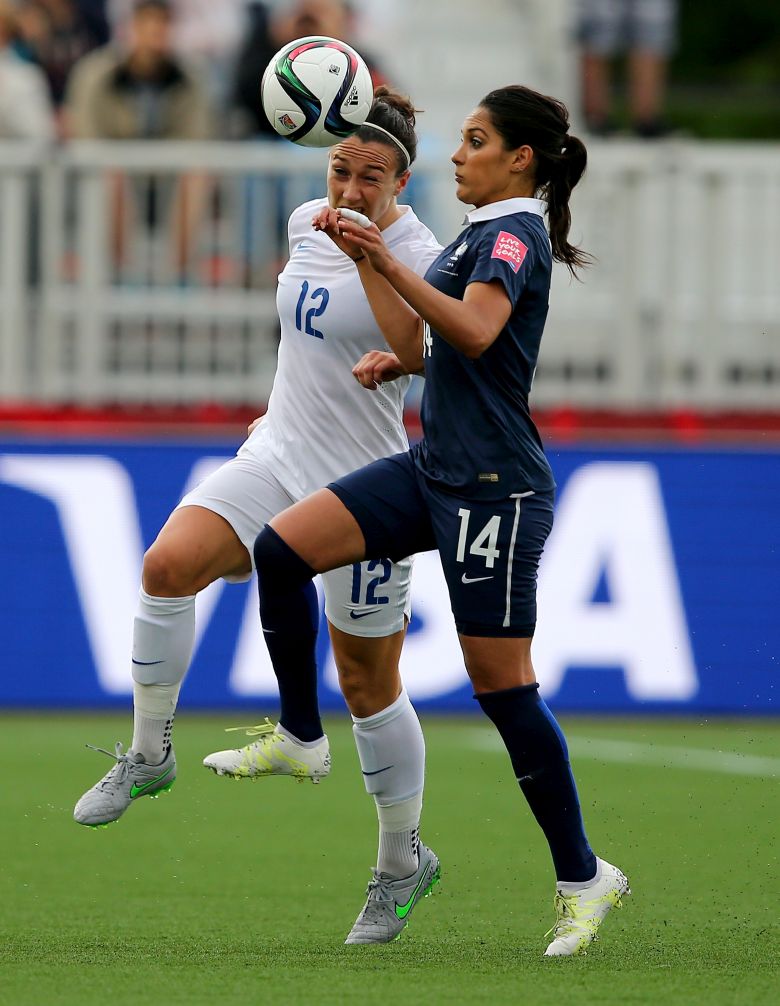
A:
[540,759]
[290,613]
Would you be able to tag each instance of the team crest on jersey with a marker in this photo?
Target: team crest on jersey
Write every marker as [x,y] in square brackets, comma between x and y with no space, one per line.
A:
[287,121]
[452,261]
[509,249]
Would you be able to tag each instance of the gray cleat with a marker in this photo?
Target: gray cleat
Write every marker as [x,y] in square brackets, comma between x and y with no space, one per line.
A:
[130,778]
[390,902]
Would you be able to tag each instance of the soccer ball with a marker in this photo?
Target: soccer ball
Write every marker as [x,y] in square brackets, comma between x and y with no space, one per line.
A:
[316,91]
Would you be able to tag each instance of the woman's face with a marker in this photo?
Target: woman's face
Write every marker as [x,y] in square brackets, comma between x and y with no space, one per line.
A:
[485,171]
[362,176]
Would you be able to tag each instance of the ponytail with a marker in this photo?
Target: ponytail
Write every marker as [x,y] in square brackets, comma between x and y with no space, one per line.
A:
[565,171]
[522,116]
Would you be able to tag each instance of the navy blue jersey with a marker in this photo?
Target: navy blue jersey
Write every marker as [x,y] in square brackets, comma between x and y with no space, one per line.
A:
[479,438]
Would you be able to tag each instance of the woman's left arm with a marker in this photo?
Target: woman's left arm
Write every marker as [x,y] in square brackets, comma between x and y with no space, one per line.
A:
[470,325]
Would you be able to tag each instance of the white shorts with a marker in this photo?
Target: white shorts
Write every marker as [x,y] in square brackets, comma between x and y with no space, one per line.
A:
[367,599]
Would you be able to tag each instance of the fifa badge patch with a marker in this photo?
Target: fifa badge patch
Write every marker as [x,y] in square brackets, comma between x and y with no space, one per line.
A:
[509,249]
[287,121]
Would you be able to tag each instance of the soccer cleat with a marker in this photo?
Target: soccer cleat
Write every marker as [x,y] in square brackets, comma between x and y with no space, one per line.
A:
[129,779]
[273,753]
[390,902]
[581,914]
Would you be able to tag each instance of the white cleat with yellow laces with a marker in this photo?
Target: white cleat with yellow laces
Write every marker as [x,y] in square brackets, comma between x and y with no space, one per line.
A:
[581,912]
[273,752]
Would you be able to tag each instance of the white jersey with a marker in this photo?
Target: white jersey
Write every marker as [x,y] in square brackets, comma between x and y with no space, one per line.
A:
[320,422]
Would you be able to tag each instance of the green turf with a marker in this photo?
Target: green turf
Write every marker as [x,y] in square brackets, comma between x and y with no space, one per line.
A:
[236,892]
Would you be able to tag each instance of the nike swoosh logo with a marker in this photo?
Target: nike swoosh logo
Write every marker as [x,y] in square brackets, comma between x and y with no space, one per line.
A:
[401,911]
[385,769]
[140,790]
[147,663]
[362,614]
[474,579]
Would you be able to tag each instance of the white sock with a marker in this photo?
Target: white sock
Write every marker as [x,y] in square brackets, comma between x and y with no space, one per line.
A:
[163,638]
[391,749]
[571,887]
[153,711]
[399,834]
[304,744]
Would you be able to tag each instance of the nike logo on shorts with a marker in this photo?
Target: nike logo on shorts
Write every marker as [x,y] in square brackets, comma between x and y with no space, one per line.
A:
[474,579]
[362,614]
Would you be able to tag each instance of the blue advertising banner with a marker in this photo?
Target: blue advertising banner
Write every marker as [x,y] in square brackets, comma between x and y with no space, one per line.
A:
[658,590]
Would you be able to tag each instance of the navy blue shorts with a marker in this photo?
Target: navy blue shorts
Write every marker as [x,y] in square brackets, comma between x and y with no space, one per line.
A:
[490,549]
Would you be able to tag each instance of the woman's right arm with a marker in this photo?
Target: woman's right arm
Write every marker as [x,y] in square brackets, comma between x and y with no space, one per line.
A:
[400,324]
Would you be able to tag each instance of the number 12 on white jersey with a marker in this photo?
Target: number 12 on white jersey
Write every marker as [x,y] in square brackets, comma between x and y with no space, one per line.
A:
[304,323]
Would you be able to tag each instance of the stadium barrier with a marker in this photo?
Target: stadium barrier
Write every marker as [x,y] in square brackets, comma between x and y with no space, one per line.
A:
[657,593]
[137,273]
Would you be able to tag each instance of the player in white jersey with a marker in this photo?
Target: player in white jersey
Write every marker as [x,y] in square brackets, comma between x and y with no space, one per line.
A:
[320,424]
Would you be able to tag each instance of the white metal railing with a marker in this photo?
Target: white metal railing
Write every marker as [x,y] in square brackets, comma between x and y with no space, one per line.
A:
[19,167]
[99,303]
[683,306]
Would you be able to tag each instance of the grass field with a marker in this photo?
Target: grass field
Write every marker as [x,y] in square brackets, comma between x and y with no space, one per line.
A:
[225,892]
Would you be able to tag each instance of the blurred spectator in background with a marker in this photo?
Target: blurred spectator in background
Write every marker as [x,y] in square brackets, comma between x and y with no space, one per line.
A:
[270,27]
[144,92]
[205,32]
[643,30]
[25,107]
[56,34]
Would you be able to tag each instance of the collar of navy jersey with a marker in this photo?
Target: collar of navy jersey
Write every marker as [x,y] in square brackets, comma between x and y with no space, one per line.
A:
[505,208]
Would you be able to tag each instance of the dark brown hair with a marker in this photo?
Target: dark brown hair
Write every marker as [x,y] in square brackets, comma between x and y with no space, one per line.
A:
[394,112]
[522,116]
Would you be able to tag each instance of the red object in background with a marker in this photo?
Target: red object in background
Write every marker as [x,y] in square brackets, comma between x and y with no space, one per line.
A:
[562,425]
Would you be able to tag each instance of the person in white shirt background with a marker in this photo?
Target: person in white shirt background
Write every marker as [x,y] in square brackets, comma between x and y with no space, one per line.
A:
[25,107]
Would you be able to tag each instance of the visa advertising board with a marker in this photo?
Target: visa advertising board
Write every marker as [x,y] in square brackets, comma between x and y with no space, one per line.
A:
[658,591]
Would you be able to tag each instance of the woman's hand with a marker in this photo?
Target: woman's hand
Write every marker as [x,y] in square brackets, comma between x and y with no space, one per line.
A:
[355,240]
[365,241]
[328,220]
[376,367]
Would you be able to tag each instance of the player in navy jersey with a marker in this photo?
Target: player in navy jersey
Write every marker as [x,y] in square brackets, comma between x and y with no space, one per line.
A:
[478,487]
[320,424]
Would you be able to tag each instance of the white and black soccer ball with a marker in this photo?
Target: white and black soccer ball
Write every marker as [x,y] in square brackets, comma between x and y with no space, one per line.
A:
[316,91]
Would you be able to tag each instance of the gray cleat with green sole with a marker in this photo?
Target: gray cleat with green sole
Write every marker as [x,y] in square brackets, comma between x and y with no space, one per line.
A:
[128,780]
[390,902]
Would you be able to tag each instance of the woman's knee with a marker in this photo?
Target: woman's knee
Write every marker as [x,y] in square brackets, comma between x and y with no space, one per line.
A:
[353,683]
[367,689]
[496,663]
[166,573]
